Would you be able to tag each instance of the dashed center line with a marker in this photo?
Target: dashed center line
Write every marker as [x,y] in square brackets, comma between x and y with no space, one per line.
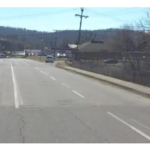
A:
[61,83]
[130,126]
[78,93]
[44,72]
[52,78]
[65,85]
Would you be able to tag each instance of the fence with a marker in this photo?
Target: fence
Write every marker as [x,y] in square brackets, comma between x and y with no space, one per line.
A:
[139,77]
[132,66]
[128,60]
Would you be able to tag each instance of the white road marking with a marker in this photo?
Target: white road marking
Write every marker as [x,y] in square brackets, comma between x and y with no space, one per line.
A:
[36,68]
[141,124]
[52,78]
[65,85]
[78,93]
[17,95]
[130,126]
[44,72]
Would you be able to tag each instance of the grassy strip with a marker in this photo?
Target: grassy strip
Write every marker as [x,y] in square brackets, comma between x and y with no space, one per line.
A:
[37,58]
[42,59]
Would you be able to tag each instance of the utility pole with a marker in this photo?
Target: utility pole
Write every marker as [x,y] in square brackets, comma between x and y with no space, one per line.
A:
[81,16]
[55,42]
[56,31]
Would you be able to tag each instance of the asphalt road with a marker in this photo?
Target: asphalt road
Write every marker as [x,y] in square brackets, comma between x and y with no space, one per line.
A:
[40,103]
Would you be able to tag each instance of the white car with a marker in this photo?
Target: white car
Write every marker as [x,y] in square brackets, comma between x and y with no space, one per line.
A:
[49,58]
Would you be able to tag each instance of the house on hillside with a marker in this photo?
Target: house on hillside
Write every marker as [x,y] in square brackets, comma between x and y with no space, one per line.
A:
[95,46]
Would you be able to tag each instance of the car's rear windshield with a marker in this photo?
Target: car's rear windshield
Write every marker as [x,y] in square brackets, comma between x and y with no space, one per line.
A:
[49,57]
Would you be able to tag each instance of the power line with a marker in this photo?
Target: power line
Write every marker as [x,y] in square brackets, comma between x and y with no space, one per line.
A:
[25,34]
[108,16]
[121,12]
[38,14]
[114,18]
[124,11]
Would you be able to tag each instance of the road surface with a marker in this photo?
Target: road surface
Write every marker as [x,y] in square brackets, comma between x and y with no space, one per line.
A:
[40,103]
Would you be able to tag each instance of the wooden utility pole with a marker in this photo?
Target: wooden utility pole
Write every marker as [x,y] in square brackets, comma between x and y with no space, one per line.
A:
[56,33]
[81,16]
[55,42]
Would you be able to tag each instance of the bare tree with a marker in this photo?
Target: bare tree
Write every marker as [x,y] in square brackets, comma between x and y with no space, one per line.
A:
[143,25]
[88,36]
[64,42]
[125,40]
[144,22]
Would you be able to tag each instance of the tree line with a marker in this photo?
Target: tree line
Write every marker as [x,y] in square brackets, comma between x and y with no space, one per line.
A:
[133,37]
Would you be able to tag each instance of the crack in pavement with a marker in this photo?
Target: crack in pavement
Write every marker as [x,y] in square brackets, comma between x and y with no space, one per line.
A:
[23,125]
[96,132]
[21,128]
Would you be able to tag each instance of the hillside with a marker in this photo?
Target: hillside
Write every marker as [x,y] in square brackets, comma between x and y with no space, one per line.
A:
[35,39]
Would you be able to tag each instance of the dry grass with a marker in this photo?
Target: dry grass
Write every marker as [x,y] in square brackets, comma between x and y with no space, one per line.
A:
[94,61]
[42,59]
[61,64]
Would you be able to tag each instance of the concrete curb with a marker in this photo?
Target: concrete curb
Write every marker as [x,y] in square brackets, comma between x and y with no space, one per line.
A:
[112,83]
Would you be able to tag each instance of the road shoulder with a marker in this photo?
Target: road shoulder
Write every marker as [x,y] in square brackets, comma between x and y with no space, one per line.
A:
[138,89]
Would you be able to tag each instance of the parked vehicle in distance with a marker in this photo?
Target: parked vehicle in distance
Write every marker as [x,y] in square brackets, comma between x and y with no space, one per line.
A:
[110,61]
[49,58]
[62,56]
[2,55]
[42,54]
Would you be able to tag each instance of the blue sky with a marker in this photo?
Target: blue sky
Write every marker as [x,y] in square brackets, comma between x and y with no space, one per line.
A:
[63,18]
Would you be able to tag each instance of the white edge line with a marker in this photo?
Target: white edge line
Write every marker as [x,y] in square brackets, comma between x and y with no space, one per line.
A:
[15,87]
[65,85]
[52,78]
[141,124]
[130,126]
[77,93]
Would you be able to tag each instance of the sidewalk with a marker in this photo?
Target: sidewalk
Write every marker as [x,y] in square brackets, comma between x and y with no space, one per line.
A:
[136,88]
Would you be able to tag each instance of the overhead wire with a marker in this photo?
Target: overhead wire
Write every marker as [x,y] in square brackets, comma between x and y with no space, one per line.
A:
[37,14]
[125,11]
[109,16]
[121,12]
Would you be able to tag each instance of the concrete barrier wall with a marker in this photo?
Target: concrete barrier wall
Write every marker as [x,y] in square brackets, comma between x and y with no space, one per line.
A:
[139,77]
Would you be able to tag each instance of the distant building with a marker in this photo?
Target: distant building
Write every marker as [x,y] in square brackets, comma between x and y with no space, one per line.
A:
[32,51]
[72,46]
[68,50]
[95,46]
